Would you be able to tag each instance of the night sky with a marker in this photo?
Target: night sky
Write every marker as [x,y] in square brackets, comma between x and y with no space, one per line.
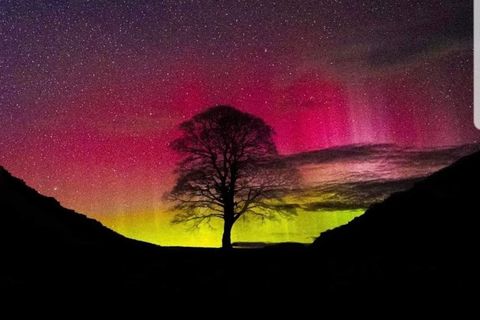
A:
[91,91]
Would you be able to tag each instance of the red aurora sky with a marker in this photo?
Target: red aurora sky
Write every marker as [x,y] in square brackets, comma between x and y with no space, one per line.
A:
[91,92]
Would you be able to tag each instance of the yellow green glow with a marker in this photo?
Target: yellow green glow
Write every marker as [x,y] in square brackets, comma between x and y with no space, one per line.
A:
[155,227]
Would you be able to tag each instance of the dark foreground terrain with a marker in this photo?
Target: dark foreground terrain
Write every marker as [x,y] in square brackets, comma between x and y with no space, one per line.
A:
[417,245]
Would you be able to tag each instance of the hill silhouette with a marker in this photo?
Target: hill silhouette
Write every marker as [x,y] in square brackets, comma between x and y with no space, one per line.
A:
[434,216]
[421,241]
[43,244]
[32,218]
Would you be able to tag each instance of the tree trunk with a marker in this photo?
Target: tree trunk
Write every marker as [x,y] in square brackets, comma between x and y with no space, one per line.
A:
[228,221]
[227,232]
[228,218]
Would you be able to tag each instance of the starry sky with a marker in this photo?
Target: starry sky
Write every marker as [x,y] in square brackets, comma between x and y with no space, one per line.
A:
[91,92]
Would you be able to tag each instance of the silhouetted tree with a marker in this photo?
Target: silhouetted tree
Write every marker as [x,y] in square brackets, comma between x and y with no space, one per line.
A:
[230,169]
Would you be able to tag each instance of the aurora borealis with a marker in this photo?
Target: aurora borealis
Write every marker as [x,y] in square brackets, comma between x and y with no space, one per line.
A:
[91,92]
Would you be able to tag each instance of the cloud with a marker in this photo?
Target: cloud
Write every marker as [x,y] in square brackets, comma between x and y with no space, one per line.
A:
[425,38]
[335,154]
[435,31]
[354,177]
[364,153]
